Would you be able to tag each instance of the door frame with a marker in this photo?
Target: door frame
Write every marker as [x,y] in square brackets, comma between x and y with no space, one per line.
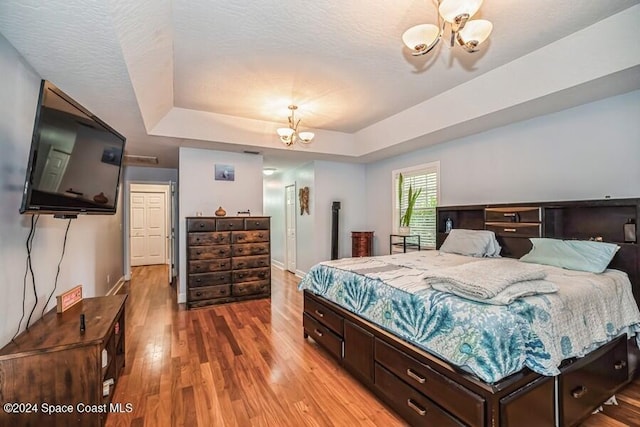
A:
[168,187]
[295,227]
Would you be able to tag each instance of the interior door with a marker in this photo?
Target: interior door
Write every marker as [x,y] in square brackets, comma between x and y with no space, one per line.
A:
[148,228]
[53,171]
[290,226]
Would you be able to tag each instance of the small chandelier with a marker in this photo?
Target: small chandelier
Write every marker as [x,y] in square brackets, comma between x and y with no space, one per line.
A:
[290,135]
[422,38]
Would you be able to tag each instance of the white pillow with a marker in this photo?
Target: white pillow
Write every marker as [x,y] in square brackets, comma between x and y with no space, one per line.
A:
[476,243]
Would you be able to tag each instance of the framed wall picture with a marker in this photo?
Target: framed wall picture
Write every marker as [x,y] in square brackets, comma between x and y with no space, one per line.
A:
[224,173]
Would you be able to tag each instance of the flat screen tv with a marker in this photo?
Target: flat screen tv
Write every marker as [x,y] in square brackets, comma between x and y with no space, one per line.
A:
[75,159]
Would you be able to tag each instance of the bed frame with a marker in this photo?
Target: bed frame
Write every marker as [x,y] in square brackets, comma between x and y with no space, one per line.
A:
[426,390]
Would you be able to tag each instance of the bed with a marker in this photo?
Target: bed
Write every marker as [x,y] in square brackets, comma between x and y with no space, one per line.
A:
[440,358]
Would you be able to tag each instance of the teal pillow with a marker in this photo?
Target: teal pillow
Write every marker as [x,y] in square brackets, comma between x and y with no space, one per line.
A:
[581,255]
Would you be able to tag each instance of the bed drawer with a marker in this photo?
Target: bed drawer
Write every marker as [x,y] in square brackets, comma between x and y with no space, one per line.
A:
[209,292]
[323,336]
[585,385]
[413,406]
[323,314]
[466,405]
[513,214]
[521,229]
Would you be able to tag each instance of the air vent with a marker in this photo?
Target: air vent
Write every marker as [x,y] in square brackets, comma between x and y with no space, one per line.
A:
[134,159]
[251,152]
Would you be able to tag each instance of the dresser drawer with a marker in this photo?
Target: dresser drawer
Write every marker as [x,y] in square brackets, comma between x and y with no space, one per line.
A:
[203,266]
[256,223]
[521,229]
[322,335]
[250,275]
[250,236]
[203,239]
[229,224]
[251,288]
[466,405]
[585,385]
[201,224]
[513,214]
[209,279]
[209,292]
[250,249]
[250,262]
[209,252]
[412,405]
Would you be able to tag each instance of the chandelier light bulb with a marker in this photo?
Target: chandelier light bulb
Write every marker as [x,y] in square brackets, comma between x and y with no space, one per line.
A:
[451,9]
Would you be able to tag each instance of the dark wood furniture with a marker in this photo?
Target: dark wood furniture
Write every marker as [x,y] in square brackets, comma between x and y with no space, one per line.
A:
[361,243]
[228,259]
[426,390]
[404,241]
[54,364]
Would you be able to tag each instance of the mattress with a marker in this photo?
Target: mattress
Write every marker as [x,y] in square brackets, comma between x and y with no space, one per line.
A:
[490,341]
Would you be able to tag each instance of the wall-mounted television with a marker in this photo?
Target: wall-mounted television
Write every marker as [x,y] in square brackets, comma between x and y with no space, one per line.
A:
[75,159]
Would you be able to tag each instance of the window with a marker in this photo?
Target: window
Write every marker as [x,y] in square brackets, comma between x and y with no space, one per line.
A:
[423,220]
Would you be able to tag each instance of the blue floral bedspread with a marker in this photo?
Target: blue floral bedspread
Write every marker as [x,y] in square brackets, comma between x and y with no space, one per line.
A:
[490,341]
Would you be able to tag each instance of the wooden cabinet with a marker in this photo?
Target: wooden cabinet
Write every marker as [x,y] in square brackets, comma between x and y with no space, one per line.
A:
[361,243]
[228,259]
[54,363]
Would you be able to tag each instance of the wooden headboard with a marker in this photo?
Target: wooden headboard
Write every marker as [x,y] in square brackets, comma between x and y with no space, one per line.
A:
[515,223]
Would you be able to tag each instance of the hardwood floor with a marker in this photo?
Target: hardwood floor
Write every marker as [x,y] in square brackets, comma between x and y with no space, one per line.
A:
[247,364]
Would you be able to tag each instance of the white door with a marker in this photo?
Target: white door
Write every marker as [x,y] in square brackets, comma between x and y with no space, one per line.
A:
[290,226]
[148,228]
[53,171]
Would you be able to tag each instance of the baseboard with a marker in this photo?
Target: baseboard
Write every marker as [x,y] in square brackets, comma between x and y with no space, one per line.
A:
[116,288]
[277,264]
[300,273]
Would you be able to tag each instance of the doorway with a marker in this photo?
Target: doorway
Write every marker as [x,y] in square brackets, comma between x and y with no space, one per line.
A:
[151,225]
[290,227]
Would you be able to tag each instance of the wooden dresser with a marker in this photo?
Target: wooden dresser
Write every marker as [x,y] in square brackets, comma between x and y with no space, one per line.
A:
[54,365]
[361,243]
[228,259]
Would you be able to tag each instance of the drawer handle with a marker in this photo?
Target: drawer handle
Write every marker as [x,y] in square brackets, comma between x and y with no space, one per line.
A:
[230,225]
[257,223]
[319,313]
[419,410]
[262,275]
[260,235]
[239,250]
[201,225]
[510,230]
[198,294]
[620,365]
[412,374]
[198,280]
[221,251]
[578,392]
[509,214]
[318,332]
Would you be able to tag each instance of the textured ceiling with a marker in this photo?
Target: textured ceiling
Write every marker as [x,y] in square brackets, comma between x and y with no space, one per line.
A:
[220,74]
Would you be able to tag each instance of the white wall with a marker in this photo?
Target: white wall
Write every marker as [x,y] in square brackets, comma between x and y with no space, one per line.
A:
[94,245]
[586,152]
[327,182]
[200,192]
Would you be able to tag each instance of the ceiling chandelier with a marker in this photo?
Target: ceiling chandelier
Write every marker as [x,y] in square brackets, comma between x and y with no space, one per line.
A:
[468,33]
[290,135]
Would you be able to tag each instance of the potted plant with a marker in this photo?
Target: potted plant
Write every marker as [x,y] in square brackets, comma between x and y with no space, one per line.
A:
[412,197]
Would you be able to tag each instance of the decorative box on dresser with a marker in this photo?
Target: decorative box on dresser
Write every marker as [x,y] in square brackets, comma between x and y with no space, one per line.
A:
[56,365]
[228,259]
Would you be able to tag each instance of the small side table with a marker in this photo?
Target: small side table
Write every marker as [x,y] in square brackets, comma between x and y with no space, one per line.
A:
[404,241]
[361,243]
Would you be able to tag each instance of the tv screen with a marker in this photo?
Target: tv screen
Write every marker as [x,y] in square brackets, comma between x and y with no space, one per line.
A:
[75,159]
